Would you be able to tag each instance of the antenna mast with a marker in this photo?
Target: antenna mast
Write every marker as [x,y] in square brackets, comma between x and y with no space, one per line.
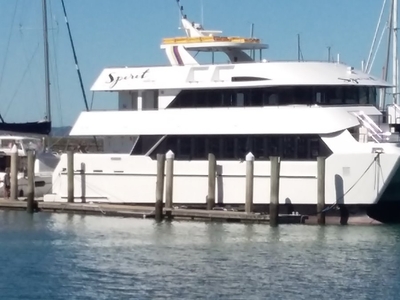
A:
[329,53]
[202,13]
[181,14]
[180,7]
[382,102]
[253,52]
[46,61]
[369,63]
[395,61]
[299,52]
[298,47]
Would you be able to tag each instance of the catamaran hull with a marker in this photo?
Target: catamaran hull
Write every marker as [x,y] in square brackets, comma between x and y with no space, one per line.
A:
[358,181]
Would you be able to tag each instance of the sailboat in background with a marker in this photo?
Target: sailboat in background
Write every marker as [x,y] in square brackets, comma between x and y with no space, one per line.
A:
[35,128]
[389,99]
[42,127]
[390,51]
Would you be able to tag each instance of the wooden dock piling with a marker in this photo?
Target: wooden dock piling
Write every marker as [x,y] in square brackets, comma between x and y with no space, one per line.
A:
[83,182]
[160,187]
[70,172]
[169,182]
[30,205]
[249,182]
[14,173]
[321,190]
[274,197]
[212,166]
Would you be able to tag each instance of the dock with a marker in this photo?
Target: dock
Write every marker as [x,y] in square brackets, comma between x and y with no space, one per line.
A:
[148,212]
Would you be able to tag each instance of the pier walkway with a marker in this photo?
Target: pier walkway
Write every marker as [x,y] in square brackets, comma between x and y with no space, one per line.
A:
[140,211]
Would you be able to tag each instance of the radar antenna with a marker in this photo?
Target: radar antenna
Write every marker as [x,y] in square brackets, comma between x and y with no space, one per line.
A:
[181,13]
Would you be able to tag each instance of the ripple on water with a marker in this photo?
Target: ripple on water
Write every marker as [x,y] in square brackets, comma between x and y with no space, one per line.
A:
[57,256]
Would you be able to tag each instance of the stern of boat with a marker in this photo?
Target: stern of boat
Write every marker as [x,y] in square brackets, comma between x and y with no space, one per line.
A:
[387,207]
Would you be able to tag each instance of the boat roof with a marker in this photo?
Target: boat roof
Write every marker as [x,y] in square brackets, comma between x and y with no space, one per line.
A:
[214,43]
[202,121]
[263,74]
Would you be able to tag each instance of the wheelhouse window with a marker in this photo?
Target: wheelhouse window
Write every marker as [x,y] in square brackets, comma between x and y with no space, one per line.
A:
[284,95]
[236,147]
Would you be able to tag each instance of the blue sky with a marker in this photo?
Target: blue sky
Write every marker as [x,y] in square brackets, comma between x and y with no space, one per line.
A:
[128,33]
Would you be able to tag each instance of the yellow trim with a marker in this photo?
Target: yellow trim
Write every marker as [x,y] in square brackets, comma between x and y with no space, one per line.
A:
[209,39]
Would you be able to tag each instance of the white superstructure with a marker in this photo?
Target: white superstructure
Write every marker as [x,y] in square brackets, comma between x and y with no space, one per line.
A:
[295,110]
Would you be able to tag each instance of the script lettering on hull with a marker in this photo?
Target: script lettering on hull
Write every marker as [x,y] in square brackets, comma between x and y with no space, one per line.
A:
[114,78]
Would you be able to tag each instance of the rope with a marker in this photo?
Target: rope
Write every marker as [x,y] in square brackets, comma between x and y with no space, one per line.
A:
[92,101]
[77,65]
[101,191]
[8,43]
[52,144]
[57,81]
[367,66]
[348,191]
[20,82]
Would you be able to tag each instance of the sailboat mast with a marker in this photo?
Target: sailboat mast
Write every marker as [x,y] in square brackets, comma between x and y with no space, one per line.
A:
[46,61]
[395,61]
[298,47]
[382,102]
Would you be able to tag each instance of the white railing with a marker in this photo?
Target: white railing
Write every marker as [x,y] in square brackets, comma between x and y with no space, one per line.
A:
[393,113]
[374,131]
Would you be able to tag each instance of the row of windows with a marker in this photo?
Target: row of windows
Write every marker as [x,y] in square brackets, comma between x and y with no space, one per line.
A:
[235,147]
[305,95]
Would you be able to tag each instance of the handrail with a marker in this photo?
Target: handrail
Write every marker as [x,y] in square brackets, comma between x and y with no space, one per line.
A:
[376,141]
[396,106]
[204,39]
[393,113]
[369,124]
[370,121]
[224,63]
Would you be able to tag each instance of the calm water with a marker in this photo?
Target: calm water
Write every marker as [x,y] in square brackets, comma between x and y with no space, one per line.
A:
[58,256]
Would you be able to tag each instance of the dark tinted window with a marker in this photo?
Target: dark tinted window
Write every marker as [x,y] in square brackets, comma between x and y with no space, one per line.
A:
[284,95]
[236,147]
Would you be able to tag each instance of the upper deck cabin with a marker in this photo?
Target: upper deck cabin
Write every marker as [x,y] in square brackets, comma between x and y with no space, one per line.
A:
[199,39]
[237,49]
[242,82]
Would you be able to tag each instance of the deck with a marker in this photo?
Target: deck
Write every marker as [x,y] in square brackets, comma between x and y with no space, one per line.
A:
[136,211]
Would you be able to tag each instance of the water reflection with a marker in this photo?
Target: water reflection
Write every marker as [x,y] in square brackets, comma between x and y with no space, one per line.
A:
[78,257]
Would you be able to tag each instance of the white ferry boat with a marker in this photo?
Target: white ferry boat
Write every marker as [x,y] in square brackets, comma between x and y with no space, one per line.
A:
[295,110]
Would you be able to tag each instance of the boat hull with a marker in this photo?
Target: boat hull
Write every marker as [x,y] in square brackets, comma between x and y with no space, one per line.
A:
[352,180]
[43,185]
[35,128]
